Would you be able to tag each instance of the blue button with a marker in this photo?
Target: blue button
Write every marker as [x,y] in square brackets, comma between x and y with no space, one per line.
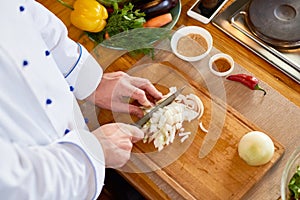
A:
[25,63]
[21,8]
[48,101]
[47,53]
[86,120]
[67,131]
[71,88]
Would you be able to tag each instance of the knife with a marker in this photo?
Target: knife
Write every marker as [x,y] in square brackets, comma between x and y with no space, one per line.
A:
[164,103]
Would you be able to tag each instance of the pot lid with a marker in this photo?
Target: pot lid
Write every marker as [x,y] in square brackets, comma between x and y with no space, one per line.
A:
[277,22]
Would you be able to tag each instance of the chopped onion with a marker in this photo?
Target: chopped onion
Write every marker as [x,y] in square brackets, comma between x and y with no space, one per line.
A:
[184,133]
[202,127]
[166,122]
[184,138]
[256,148]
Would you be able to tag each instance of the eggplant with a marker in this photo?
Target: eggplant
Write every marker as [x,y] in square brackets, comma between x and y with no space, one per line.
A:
[145,4]
[155,7]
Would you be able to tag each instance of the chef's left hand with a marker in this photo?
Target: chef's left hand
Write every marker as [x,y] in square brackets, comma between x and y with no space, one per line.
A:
[115,86]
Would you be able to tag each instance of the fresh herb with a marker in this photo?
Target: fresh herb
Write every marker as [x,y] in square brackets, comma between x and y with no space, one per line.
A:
[144,51]
[120,20]
[137,38]
[294,185]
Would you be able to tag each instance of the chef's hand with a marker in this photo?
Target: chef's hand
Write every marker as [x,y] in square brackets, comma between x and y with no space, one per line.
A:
[116,140]
[115,86]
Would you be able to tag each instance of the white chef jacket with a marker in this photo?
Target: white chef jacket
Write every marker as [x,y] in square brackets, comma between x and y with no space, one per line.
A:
[46,150]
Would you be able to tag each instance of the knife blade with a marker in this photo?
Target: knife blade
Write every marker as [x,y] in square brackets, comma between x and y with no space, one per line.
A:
[164,103]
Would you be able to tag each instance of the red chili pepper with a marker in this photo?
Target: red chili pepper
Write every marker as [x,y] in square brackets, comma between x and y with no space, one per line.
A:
[247,80]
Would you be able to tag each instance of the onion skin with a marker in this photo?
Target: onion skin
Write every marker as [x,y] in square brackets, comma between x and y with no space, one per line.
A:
[256,148]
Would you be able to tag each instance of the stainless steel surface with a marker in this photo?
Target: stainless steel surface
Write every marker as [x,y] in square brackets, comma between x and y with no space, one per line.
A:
[232,22]
[164,103]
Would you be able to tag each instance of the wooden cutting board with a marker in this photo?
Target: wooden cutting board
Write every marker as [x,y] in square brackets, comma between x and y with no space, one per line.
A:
[221,174]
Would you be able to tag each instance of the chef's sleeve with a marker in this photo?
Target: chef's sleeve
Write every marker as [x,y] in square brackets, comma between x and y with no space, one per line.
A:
[79,68]
[56,171]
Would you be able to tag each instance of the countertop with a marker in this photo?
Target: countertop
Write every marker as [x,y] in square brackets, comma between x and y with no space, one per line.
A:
[285,100]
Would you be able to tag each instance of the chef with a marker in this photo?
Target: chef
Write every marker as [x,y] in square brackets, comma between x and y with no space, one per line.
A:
[46,149]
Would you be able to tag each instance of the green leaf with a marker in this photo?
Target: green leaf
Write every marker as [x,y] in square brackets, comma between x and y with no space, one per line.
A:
[294,185]
[138,38]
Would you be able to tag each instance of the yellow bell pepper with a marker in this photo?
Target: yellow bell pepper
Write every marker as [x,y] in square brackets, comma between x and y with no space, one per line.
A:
[89,15]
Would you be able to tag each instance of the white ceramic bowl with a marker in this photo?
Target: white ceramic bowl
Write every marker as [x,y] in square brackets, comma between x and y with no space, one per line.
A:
[218,56]
[186,31]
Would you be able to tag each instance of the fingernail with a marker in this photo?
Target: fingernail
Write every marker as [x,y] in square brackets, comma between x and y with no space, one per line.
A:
[147,104]
[140,115]
[160,95]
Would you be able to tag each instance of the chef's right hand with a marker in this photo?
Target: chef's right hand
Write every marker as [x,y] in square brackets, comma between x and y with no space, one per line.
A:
[117,140]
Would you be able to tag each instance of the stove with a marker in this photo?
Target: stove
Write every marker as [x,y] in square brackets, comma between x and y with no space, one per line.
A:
[269,28]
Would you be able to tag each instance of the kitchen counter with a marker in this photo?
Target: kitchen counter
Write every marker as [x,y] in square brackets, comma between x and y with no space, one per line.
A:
[285,91]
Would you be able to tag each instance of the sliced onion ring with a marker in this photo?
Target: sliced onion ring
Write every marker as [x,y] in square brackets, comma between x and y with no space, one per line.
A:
[203,128]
